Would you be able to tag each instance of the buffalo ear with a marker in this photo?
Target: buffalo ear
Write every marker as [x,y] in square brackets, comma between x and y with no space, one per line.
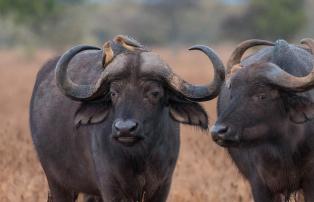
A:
[91,113]
[300,108]
[188,112]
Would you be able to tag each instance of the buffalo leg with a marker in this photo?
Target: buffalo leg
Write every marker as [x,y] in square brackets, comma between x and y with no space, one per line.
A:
[59,194]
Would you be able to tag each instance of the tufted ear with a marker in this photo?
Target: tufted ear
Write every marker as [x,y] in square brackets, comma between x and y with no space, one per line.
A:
[300,108]
[188,112]
[91,113]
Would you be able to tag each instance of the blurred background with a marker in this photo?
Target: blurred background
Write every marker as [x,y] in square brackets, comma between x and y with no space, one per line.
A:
[33,31]
[56,24]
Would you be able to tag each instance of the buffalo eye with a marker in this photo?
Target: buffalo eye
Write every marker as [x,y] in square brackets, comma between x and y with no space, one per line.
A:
[154,95]
[153,91]
[113,94]
[260,97]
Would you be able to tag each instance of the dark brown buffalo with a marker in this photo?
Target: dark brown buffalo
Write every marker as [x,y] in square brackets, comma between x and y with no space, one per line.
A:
[106,121]
[264,118]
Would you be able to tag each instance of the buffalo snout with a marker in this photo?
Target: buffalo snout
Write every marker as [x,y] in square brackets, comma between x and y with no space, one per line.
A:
[126,126]
[224,135]
[127,131]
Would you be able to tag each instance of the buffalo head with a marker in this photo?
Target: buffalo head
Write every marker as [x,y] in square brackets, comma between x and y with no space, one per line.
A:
[261,100]
[135,89]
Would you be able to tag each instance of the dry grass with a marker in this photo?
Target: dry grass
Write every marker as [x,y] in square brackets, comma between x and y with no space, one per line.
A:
[204,171]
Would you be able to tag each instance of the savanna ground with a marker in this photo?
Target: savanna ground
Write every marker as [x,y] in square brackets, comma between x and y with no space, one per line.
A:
[204,172]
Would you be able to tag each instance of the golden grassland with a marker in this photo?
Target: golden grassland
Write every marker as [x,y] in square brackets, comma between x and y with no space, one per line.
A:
[204,172]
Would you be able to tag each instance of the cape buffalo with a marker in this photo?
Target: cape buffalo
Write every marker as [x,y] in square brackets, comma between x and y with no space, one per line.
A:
[106,121]
[264,118]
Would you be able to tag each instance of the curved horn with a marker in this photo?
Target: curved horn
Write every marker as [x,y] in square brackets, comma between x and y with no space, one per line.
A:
[237,54]
[308,42]
[202,92]
[273,74]
[66,85]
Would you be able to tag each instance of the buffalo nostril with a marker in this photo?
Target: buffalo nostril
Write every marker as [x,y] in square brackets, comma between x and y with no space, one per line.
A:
[223,129]
[126,126]
[133,127]
[219,130]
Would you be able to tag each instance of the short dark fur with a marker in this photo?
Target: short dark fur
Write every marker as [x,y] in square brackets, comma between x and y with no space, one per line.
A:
[74,140]
[269,138]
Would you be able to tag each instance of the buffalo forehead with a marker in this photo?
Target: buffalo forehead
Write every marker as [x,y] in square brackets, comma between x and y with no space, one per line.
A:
[119,64]
[87,66]
[240,77]
[152,63]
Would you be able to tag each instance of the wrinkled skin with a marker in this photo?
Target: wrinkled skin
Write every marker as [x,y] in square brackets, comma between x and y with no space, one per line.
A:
[266,129]
[77,142]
